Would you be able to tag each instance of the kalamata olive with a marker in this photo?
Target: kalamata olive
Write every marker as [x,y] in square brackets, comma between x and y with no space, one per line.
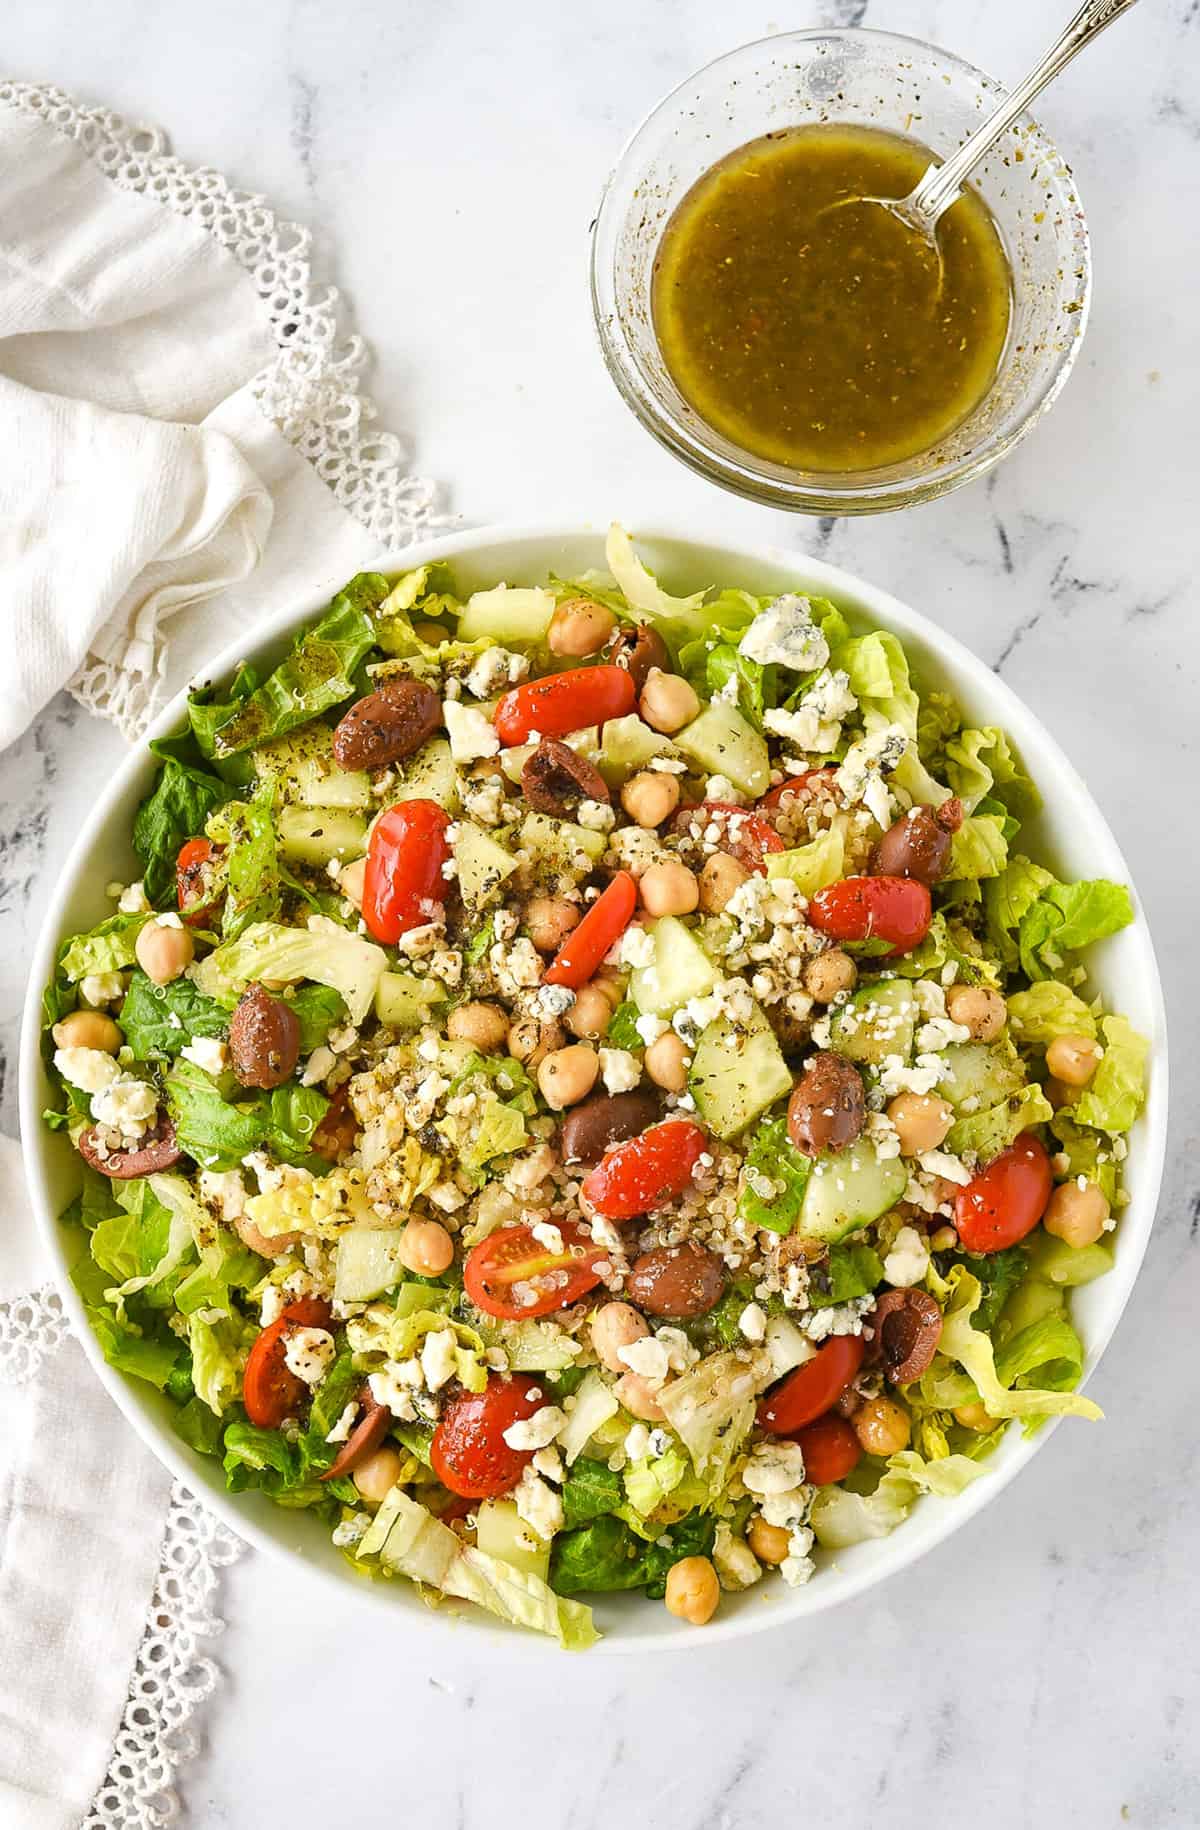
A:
[827,1109]
[907,1326]
[387,725]
[637,648]
[335,1136]
[607,1119]
[918,844]
[681,1281]
[156,1151]
[364,1438]
[555,780]
[264,1039]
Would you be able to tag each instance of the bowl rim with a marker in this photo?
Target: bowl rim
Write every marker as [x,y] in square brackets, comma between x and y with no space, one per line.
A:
[757,479]
[923,1529]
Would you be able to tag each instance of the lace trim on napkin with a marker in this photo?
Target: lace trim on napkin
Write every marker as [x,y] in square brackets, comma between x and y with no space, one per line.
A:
[171,1676]
[32,1327]
[310,392]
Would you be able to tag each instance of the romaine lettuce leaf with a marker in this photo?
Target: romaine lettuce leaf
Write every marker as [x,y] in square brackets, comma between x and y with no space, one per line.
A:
[590,1490]
[1116,1092]
[519,1597]
[1088,1153]
[608,1556]
[981,764]
[1067,916]
[219,1135]
[711,1409]
[1008,898]
[773,1155]
[1047,1010]
[653,1479]
[175,810]
[978,849]
[840,1517]
[144,1348]
[109,947]
[160,1020]
[219,1344]
[246,831]
[986,1134]
[973,1351]
[322,951]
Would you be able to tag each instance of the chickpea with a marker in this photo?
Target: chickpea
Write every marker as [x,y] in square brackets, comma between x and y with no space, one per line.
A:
[943,1240]
[426,1248]
[548,921]
[650,797]
[692,1591]
[531,1041]
[579,627]
[721,876]
[829,974]
[882,1426]
[667,702]
[266,1245]
[163,950]
[669,888]
[616,1325]
[567,1075]
[637,1398]
[484,1025]
[432,634]
[770,1543]
[88,1029]
[666,1062]
[983,1012]
[378,1473]
[1073,1059]
[351,879]
[975,1417]
[592,1011]
[921,1120]
[1075,1214]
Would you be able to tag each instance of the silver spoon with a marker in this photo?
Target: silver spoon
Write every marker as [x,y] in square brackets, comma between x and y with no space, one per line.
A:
[933,194]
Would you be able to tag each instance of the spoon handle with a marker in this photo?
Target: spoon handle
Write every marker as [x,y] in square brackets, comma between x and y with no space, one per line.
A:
[940,185]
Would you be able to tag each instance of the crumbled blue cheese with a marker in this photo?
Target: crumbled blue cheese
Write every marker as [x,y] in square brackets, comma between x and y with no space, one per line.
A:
[345,1423]
[308,1353]
[471,732]
[637,1442]
[493,670]
[939,1032]
[596,816]
[538,1504]
[133,900]
[945,1164]
[318,1065]
[861,774]
[650,1028]
[619,1070]
[649,1358]
[837,1318]
[680,1352]
[538,1431]
[274,1302]
[416,942]
[736,1565]
[393,1387]
[752,1323]
[815,723]
[549,1235]
[774,1467]
[517,965]
[207,1053]
[637,946]
[127,1105]
[89,1069]
[720,788]
[798,1565]
[439,1358]
[895,1076]
[99,988]
[351,1530]
[551,1001]
[908,1260]
[785,633]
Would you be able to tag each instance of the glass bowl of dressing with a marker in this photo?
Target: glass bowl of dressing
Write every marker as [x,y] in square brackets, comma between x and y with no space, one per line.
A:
[803,350]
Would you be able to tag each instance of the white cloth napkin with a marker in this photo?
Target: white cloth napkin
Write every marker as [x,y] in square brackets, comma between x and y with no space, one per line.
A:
[163,362]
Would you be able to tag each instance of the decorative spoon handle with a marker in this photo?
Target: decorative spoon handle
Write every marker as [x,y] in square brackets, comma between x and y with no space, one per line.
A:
[940,185]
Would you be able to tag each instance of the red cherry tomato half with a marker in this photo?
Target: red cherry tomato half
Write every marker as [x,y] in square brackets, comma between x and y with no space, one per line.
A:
[586,945]
[403,885]
[270,1389]
[469,1453]
[895,909]
[510,1264]
[830,1450]
[811,782]
[743,834]
[1006,1200]
[195,881]
[645,1172]
[564,702]
[814,1387]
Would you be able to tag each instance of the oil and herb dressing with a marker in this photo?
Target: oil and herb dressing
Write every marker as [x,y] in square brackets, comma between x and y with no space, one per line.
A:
[815,330]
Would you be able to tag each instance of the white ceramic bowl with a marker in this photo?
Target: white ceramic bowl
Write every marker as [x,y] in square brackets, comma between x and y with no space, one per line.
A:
[1070,835]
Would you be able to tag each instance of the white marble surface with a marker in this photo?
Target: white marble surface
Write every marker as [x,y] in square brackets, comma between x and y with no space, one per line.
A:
[1041,1668]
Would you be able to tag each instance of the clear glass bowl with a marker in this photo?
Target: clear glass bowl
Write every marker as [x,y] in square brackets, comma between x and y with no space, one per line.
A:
[876,79]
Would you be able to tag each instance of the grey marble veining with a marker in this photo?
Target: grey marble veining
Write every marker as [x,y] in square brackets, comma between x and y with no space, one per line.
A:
[1041,1667]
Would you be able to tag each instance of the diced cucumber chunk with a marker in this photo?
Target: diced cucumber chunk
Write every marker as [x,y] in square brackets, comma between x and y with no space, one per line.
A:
[738,1071]
[680,970]
[317,835]
[501,1532]
[483,864]
[301,767]
[721,742]
[878,1021]
[430,776]
[403,1001]
[560,842]
[507,615]
[1068,1265]
[812,866]
[628,745]
[1030,1302]
[368,1263]
[848,1190]
[980,1074]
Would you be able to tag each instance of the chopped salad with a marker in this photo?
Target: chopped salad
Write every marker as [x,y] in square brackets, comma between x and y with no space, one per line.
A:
[588,1092]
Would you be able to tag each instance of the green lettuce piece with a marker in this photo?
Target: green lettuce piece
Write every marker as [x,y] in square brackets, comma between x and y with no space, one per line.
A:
[219,1135]
[622,1031]
[106,948]
[608,1556]
[532,1346]
[590,1490]
[1047,1010]
[427,590]
[810,867]
[318,674]
[225,1265]
[501,1131]
[163,1236]
[947,940]
[986,1134]
[199,1427]
[755,683]
[772,1154]
[840,1517]
[322,951]
[160,1020]
[653,1479]
[1116,1092]
[1049,1348]
[1087,1153]
[1008,898]
[938,719]
[1067,916]
[519,1597]
[973,1351]
[981,764]
[387,1334]
[853,1271]
[317,1009]
[265,1459]
[144,1349]
[642,592]
[711,1409]
[176,809]
[219,1344]
[998,1275]
[246,829]
[978,849]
